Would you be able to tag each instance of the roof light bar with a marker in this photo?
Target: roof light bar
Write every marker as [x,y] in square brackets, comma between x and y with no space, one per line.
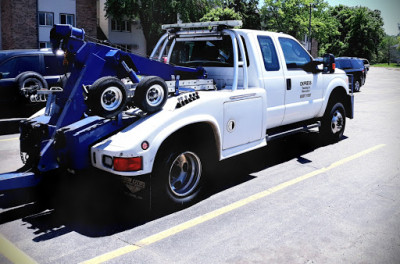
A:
[226,23]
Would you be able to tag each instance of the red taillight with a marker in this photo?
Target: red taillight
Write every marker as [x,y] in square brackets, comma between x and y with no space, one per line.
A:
[128,164]
[333,66]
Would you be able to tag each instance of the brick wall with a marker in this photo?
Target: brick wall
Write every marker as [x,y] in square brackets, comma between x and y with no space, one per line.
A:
[86,16]
[19,24]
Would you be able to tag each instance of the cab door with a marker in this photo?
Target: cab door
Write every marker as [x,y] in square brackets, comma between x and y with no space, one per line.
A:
[303,94]
[273,80]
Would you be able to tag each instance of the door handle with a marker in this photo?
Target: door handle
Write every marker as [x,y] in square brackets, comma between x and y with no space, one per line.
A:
[289,84]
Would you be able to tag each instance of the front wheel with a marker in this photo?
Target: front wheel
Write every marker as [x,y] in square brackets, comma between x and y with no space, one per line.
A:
[178,176]
[333,123]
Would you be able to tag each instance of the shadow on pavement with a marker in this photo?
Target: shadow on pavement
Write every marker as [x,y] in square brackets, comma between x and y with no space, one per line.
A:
[93,207]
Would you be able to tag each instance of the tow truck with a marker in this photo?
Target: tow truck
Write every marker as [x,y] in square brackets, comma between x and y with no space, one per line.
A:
[208,92]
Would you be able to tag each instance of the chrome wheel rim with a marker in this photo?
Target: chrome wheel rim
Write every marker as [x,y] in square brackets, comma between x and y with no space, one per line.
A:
[111,98]
[30,85]
[184,174]
[337,122]
[155,95]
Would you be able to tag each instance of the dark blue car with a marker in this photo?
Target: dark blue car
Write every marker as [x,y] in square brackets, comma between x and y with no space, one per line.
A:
[22,72]
[353,67]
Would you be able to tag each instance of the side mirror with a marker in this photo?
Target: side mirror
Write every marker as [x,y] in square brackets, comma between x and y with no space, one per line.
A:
[312,67]
[329,63]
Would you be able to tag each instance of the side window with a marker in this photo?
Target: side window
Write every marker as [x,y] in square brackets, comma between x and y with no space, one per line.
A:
[268,51]
[8,68]
[295,54]
[27,63]
[53,64]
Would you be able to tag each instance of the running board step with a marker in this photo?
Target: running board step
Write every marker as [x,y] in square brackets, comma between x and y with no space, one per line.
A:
[292,131]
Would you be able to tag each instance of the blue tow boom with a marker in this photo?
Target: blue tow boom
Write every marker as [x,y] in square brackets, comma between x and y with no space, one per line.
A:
[61,137]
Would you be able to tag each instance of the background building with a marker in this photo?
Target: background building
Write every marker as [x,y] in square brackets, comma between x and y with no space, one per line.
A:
[26,24]
[128,35]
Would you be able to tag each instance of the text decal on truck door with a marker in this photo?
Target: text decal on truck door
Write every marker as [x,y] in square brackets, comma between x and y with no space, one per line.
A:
[305,89]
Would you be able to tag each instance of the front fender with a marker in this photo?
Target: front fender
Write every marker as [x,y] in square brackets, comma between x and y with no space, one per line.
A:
[338,82]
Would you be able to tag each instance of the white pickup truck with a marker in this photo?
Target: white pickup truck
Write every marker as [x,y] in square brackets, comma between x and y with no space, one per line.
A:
[260,85]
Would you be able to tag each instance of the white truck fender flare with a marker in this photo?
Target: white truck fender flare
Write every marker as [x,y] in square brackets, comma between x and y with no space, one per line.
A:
[182,123]
[338,83]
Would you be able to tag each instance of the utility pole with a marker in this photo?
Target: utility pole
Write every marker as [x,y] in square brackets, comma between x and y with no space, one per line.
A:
[312,5]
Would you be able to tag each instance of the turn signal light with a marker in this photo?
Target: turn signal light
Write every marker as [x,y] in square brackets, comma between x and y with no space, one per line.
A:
[128,164]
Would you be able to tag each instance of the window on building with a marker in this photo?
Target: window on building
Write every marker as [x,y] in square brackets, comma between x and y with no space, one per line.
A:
[124,47]
[120,26]
[44,44]
[67,19]
[46,19]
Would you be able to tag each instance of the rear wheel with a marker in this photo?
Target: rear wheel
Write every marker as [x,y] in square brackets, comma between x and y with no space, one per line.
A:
[178,176]
[333,123]
[29,83]
[107,97]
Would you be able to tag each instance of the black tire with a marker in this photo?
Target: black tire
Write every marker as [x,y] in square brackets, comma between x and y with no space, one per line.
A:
[106,97]
[30,82]
[357,86]
[178,177]
[333,123]
[151,94]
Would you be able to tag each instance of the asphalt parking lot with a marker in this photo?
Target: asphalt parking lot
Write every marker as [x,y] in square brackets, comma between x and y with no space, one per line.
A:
[294,201]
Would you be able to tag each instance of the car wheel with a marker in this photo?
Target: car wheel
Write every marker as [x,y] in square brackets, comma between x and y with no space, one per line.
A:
[29,83]
[177,177]
[333,123]
[107,97]
[151,94]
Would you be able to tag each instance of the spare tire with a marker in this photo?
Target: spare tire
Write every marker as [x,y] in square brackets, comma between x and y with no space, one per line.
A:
[107,97]
[29,82]
[151,94]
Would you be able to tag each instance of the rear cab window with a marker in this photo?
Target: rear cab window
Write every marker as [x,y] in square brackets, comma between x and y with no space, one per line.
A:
[270,58]
[218,53]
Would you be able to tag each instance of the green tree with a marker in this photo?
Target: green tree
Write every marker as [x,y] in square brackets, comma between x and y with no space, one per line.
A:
[386,48]
[361,32]
[248,10]
[220,14]
[154,13]
[293,16]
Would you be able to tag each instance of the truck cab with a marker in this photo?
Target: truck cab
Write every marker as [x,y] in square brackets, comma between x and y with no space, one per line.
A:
[265,85]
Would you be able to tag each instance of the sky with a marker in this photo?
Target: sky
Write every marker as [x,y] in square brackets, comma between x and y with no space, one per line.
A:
[390,11]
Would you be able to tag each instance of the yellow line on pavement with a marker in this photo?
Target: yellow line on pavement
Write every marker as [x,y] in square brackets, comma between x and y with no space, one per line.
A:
[8,139]
[211,215]
[12,253]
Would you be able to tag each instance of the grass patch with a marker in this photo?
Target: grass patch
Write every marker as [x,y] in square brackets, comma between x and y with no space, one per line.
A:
[391,65]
